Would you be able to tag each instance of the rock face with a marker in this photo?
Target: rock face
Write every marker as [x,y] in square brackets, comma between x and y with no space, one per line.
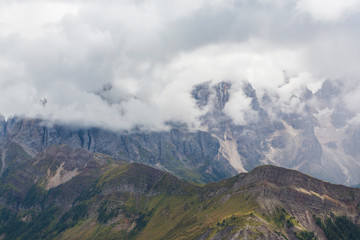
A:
[190,155]
[316,140]
[297,191]
[104,198]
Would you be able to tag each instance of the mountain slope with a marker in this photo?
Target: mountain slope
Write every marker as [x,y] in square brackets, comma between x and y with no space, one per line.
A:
[316,138]
[75,194]
[189,155]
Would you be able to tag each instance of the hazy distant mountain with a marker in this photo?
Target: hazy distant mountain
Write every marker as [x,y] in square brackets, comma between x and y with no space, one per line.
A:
[316,140]
[65,193]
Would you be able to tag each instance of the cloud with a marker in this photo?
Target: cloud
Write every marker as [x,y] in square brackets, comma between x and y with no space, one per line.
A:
[32,18]
[328,10]
[238,108]
[125,64]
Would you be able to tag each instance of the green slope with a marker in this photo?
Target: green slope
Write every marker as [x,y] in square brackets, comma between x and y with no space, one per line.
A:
[104,199]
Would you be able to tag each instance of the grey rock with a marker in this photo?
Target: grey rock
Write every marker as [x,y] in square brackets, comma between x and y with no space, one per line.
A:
[281,138]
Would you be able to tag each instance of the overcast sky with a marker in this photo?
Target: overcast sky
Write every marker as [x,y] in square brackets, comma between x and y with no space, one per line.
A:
[118,64]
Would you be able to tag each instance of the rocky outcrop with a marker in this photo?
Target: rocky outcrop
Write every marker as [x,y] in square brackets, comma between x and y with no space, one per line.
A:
[315,139]
[178,151]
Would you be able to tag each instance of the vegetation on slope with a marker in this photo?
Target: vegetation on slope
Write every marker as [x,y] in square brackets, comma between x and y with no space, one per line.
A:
[338,227]
[116,200]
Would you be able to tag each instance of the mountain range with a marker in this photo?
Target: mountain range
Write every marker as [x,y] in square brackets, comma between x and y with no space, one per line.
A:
[67,193]
[222,180]
[317,140]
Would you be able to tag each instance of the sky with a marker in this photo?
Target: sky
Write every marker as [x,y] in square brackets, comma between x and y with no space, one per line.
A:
[133,63]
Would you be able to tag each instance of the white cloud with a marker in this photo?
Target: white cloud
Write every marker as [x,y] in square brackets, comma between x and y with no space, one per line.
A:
[32,18]
[328,10]
[121,64]
[239,108]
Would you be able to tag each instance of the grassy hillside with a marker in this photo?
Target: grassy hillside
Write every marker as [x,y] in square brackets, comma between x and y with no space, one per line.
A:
[73,194]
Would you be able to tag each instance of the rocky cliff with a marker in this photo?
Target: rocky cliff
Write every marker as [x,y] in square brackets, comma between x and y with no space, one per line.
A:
[316,140]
